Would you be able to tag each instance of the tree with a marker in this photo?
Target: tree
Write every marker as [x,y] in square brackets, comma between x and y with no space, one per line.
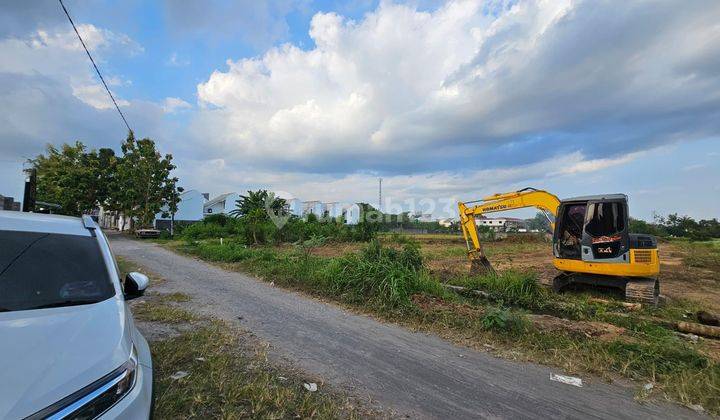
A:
[76,179]
[144,181]
[540,222]
[260,199]
[254,209]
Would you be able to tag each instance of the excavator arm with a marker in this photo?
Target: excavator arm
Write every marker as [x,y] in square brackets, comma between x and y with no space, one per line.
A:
[527,197]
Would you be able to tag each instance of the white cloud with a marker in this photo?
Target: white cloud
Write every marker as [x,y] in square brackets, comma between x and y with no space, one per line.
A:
[96,96]
[402,88]
[59,55]
[172,105]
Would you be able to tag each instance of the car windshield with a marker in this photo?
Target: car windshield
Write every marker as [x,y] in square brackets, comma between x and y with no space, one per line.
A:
[45,270]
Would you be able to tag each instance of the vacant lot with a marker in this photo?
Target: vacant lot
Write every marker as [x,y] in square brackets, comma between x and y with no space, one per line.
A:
[401,279]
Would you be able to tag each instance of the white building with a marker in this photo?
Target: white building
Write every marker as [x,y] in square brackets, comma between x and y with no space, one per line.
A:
[312,207]
[446,222]
[333,210]
[113,220]
[351,213]
[501,224]
[295,207]
[190,209]
[222,204]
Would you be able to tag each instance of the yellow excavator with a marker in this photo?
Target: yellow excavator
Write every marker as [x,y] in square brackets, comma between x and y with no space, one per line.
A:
[591,240]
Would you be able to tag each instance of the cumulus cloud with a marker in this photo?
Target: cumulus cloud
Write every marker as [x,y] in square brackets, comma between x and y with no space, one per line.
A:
[472,83]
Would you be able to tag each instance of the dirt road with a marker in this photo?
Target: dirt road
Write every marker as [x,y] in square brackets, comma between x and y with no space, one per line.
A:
[411,373]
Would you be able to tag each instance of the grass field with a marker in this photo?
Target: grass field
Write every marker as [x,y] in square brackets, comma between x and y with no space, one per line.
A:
[400,279]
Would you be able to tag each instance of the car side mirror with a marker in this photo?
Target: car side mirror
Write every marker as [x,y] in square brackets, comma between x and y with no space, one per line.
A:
[135,285]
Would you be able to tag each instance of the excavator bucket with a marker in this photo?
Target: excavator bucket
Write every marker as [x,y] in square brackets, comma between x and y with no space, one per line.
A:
[479,264]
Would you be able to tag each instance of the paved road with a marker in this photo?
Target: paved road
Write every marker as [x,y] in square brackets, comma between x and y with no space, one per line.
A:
[411,373]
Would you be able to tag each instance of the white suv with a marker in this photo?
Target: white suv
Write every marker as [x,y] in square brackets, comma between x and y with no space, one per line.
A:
[68,344]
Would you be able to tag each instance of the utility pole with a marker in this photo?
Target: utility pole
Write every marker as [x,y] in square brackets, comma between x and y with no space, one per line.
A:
[380,195]
[30,189]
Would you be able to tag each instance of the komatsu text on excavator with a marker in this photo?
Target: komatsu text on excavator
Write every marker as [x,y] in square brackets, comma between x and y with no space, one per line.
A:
[591,241]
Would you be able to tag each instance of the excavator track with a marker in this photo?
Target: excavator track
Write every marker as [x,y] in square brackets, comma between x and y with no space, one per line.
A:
[643,291]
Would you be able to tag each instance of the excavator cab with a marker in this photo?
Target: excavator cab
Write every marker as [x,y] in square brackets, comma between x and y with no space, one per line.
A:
[592,243]
[592,229]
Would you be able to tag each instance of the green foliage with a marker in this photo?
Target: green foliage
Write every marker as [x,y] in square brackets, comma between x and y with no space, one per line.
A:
[144,182]
[254,209]
[512,288]
[380,276]
[138,183]
[217,219]
[678,226]
[256,201]
[539,222]
[254,228]
[504,320]
[75,178]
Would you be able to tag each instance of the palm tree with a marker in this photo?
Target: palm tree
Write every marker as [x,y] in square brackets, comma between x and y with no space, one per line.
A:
[254,208]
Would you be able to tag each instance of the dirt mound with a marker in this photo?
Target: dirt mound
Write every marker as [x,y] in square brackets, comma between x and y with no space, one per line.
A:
[600,330]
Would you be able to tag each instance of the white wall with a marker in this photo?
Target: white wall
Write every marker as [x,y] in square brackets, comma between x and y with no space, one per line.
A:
[334,209]
[295,206]
[352,214]
[190,206]
[231,202]
[224,206]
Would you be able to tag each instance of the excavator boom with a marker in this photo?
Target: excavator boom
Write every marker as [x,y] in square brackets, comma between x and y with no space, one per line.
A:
[528,197]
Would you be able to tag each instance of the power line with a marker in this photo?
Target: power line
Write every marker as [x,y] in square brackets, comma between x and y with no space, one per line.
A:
[95,65]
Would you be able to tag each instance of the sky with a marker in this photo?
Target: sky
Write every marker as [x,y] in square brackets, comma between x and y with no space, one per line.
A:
[445,101]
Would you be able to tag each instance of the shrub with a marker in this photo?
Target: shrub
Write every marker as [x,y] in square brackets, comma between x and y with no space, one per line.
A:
[203,230]
[505,320]
[218,219]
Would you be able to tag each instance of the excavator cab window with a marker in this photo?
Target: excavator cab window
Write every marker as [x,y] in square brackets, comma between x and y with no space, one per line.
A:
[571,230]
[605,230]
[605,219]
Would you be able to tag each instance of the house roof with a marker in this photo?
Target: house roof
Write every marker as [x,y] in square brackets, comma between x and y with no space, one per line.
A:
[187,192]
[219,198]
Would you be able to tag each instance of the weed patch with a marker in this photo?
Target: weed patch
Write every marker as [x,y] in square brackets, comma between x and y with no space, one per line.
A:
[505,320]
[155,311]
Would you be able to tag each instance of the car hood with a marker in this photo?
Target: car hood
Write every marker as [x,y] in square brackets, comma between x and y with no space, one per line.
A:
[47,354]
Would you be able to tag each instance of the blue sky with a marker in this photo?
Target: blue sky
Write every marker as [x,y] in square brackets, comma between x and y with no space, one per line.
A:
[445,101]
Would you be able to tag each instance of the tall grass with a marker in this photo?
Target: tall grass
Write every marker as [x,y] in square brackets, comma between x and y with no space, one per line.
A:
[511,288]
[382,276]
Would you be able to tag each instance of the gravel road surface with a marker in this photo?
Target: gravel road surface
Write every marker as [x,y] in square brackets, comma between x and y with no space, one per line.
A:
[410,373]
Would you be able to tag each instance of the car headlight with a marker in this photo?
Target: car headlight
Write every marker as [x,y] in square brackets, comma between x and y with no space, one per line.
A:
[96,398]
